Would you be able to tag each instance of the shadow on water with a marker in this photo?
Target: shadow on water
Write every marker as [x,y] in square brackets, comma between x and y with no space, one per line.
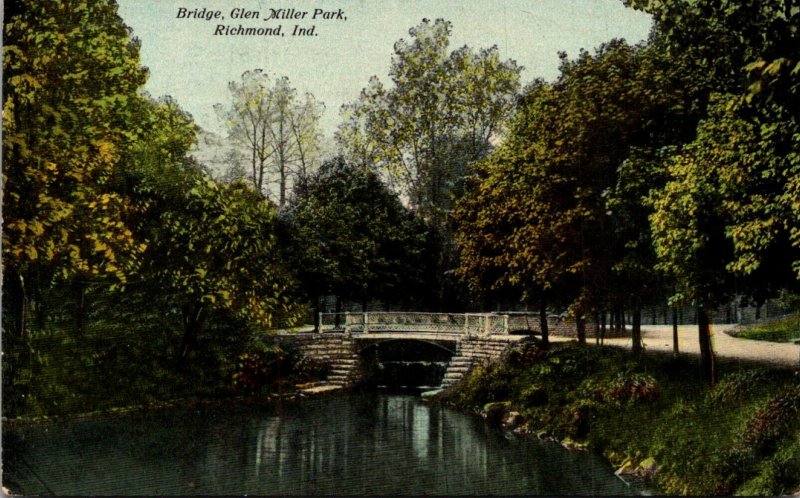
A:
[405,363]
[361,443]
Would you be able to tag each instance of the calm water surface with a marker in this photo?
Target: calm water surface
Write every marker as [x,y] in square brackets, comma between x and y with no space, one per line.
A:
[380,444]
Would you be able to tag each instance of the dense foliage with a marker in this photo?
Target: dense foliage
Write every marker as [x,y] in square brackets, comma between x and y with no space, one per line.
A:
[742,437]
[779,330]
[663,171]
[128,273]
[349,236]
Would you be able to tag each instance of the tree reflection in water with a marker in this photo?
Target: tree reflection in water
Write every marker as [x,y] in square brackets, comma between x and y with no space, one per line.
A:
[348,444]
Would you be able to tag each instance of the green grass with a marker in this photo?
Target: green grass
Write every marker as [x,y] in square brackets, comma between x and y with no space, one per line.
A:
[781,330]
[741,437]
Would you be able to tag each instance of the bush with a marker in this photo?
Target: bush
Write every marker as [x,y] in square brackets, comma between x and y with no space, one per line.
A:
[525,353]
[635,387]
[736,385]
[577,418]
[534,395]
[267,364]
[773,420]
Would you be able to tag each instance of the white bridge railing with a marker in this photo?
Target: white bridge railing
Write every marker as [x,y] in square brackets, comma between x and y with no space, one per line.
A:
[469,324]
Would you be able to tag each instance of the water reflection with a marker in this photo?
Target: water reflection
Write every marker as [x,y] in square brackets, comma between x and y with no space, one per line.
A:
[354,444]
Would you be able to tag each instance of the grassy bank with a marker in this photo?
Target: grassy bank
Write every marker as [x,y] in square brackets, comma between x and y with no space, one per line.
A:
[781,330]
[742,437]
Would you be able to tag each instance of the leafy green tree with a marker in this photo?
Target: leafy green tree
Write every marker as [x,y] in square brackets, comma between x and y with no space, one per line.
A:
[722,214]
[211,246]
[748,50]
[350,236]
[733,44]
[71,73]
[442,112]
[436,118]
[548,209]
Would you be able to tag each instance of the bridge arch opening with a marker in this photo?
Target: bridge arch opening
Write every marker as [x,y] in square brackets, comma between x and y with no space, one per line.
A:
[398,363]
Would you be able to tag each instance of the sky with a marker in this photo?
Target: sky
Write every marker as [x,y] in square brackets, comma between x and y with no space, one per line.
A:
[351,41]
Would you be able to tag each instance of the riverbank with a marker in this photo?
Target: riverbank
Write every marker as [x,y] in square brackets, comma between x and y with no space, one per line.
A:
[651,417]
[300,391]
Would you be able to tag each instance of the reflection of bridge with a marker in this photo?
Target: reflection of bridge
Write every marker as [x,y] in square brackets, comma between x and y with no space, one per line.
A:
[457,341]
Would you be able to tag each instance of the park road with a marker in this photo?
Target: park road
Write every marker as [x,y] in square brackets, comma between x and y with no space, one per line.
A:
[659,338]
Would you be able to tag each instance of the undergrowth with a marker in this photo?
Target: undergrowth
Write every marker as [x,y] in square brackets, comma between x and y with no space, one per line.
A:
[741,437]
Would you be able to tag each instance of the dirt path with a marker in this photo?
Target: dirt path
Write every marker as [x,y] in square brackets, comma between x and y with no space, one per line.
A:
[659,338]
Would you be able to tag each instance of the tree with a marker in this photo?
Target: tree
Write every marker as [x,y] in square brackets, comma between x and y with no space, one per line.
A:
[722,213]
[71,74]
[352,237]
[439,115]
[232,258]
[279,131]
[211,246]
[542,214]
[743,162]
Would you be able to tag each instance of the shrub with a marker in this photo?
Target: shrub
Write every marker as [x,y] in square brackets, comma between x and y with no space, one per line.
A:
[266,363]
[256,369]
[780,330]
[534,395]
[772,420]
[736,385]
[577,418]
[750,455]
[308,368]
[634,387]
[526,353]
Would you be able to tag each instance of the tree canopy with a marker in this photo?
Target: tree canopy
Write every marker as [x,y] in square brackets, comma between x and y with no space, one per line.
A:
[440,113]
[352,237]
[274,129]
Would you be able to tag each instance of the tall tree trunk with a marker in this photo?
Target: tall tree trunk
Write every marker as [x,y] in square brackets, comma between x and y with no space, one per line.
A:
[80,304]
[675,349]
[611,323]
[337,320]
[636,330]
[283,176]
[706,351]
[580,323]
[597,328]
[603,327]
[16,344]
[315,310]
[543,326]
[193,317]
[282,161]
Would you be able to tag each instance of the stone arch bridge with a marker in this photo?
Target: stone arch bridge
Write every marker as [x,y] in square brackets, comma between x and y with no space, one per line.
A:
[455,341]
